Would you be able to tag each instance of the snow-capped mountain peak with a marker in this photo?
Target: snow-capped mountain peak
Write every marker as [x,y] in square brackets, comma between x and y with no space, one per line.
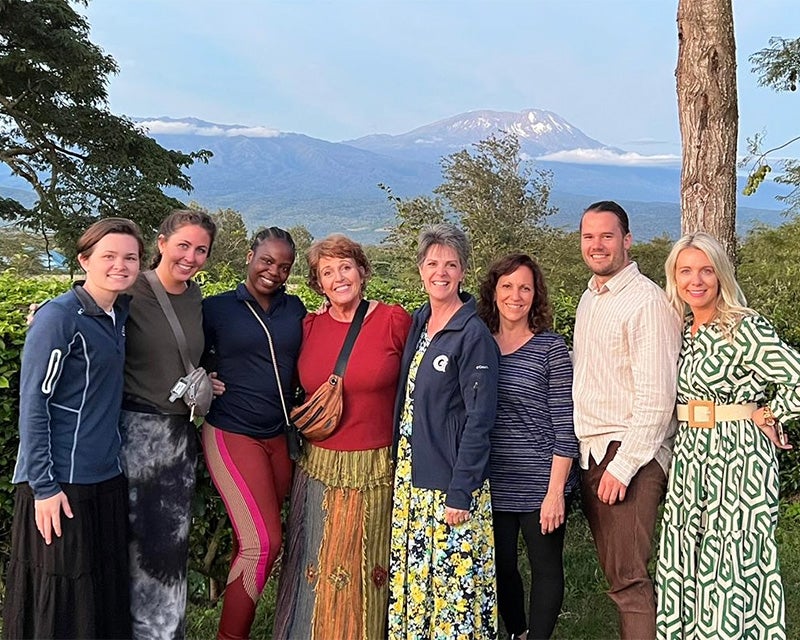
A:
[539,131]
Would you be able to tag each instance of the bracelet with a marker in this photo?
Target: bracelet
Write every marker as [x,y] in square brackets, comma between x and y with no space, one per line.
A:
[769,417]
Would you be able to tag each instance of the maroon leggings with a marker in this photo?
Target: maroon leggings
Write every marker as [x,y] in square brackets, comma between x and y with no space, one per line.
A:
[253,477]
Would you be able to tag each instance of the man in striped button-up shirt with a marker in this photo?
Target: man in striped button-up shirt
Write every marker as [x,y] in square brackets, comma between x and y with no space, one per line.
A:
[626,345]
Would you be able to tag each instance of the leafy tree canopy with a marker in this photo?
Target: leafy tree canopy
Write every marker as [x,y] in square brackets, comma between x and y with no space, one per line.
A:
[231,244]
[501,200]
[25,252]
[57,133]
[302,241]
[778,67]
[491,191]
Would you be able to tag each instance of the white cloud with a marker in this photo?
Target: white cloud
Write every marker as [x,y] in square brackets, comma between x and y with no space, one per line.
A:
[253,132]
[609,157]
[178,128]
[645,142]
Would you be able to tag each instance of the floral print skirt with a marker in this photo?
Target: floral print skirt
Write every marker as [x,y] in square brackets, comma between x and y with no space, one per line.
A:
[442,578]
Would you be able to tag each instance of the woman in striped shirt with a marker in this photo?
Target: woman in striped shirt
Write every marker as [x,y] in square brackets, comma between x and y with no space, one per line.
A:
[533,443]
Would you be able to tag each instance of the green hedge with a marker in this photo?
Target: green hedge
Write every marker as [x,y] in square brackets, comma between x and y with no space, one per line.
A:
[16,294]
[768,273]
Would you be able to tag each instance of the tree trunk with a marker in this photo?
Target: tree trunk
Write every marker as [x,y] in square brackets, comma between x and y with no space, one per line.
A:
[709,118]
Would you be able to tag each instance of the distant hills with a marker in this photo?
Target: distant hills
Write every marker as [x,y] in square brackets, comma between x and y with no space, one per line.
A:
[279,178]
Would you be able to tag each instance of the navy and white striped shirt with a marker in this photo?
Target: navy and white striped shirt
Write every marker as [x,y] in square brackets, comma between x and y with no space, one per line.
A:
[534,422]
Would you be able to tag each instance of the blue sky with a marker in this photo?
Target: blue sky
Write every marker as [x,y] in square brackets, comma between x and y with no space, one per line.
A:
[342,69]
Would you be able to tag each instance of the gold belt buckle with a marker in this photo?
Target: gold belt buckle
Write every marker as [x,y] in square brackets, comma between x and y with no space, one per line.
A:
[701,414]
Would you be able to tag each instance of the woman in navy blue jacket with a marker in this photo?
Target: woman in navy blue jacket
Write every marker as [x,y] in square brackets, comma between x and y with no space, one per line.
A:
[442,552]
[68,573]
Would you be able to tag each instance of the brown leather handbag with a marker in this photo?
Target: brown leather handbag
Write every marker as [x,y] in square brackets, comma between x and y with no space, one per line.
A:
[318,417]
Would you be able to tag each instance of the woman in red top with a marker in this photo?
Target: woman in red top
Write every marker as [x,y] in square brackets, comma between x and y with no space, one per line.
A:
[333,580]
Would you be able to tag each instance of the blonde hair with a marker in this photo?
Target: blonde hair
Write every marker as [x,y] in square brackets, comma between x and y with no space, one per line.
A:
[731,305]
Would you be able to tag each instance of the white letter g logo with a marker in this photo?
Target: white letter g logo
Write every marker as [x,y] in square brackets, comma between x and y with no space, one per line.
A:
[440,363]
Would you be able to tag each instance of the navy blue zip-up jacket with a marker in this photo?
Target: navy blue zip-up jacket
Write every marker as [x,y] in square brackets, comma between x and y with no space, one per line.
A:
[455,399]
[71,393]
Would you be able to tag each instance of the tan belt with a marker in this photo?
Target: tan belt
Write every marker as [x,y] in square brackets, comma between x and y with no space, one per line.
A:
[705,413]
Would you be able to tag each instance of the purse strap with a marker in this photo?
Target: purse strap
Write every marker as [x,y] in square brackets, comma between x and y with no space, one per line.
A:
[344,354]
[274,360]
[350,339]
[169,312]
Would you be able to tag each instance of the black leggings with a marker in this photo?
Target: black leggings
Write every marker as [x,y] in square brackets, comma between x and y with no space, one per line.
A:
[547,573]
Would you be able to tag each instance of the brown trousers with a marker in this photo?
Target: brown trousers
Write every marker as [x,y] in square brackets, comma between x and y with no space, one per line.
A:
[623,535]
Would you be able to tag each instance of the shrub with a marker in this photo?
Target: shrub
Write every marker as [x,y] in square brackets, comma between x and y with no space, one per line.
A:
[768,272]
[16,294]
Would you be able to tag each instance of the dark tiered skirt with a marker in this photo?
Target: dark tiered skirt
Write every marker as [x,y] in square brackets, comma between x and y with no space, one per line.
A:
[77,586]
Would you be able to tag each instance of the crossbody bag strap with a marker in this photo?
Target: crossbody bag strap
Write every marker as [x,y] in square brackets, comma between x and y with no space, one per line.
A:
[274,360]
[169,312]
[350,339]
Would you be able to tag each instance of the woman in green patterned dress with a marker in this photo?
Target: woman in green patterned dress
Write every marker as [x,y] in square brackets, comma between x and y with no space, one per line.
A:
[442,577]
[718,574]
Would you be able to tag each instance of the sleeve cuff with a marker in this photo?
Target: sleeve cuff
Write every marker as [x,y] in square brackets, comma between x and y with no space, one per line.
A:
[458,500]
[46,491]
[622,469]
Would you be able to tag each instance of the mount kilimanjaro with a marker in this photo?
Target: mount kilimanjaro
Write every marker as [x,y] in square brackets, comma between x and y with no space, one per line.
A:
[278,178]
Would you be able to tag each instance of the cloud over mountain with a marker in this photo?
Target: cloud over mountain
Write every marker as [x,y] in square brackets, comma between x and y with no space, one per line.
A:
[193,127]
[611,157]
[290,178]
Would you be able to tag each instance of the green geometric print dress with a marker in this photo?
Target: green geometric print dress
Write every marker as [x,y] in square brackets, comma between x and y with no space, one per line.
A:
[718,574]
[442,578]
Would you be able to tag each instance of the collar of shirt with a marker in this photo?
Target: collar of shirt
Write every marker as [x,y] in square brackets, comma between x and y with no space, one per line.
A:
[243,293]
[616,283]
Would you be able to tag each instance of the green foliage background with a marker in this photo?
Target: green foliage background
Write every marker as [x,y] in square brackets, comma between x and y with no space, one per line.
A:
[768,271]
[16,293]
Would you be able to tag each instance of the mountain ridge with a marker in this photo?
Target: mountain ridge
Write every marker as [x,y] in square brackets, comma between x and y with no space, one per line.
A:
[539,131]
[287,178]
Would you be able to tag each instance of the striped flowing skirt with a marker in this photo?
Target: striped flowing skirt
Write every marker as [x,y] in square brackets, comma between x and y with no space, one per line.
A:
[333,580]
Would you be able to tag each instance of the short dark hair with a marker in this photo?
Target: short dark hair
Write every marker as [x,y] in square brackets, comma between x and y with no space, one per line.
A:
[101,228]
[609,206]
[540,315]
[179,218]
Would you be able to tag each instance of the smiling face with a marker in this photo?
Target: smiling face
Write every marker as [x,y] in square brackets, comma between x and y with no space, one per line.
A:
[111,266]
[183,254]
[268,267]
[341,281]
[697,283]
[441,273]
[514,294]
[603,245]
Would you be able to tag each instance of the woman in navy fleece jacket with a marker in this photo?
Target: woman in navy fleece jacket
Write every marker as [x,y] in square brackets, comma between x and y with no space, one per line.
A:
[442,551]
[68,573]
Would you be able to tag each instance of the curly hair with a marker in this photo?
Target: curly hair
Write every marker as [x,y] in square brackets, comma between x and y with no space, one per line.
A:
[540,315]
[336,245]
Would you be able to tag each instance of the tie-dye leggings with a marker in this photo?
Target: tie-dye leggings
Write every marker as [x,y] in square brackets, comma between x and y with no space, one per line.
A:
[158,455]
[253,476]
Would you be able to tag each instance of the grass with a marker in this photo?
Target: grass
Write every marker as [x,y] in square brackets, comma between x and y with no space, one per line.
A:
[587,613]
